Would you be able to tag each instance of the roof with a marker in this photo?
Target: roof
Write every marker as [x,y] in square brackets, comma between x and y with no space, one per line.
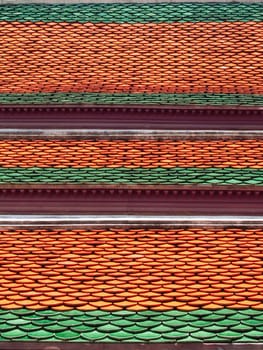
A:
[115,53]
[132,161]
[139,284]
[133,281]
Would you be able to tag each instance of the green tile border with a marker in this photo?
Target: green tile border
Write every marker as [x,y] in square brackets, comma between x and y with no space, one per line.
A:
[133,13]
[223,325]
[169,176]
[133,98]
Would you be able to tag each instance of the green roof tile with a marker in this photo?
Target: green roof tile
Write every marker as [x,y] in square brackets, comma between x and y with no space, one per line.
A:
[132,326]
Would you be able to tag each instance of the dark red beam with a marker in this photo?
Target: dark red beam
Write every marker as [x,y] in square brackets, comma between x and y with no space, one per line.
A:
[110,200]
[131,117]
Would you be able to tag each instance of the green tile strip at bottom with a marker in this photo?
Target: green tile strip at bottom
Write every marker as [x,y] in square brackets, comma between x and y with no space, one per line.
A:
[165,176]
[223,325]
[133,98]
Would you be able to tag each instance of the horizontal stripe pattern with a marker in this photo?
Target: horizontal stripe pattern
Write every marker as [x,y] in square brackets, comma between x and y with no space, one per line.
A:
[133,13]
[130,98]
[224,325]
[134,269]
[131,153]
[126,176]
[137,58]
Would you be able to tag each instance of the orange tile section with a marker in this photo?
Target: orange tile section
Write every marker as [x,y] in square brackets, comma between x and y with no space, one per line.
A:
[132,153]
[131,269]
[187,57]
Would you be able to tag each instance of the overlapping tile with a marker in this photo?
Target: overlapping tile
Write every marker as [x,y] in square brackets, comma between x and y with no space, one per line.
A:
[131,284]
[131,269]
[140,285]
[224,325]
[222,162]
[132,53]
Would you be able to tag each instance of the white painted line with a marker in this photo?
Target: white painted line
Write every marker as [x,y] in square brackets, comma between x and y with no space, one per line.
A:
[120,133]
[128,220]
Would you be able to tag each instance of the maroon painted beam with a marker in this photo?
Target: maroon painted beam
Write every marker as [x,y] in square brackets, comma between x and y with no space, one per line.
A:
[131,117]
[134,200]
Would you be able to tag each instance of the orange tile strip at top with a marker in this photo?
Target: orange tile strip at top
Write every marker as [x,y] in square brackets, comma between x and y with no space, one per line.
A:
[135,269]
[132,153]
[166,57]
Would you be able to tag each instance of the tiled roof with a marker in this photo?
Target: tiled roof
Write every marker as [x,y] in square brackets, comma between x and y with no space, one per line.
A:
[222,325]
[221,162]
[144,282]
[179,53]
[141,284]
